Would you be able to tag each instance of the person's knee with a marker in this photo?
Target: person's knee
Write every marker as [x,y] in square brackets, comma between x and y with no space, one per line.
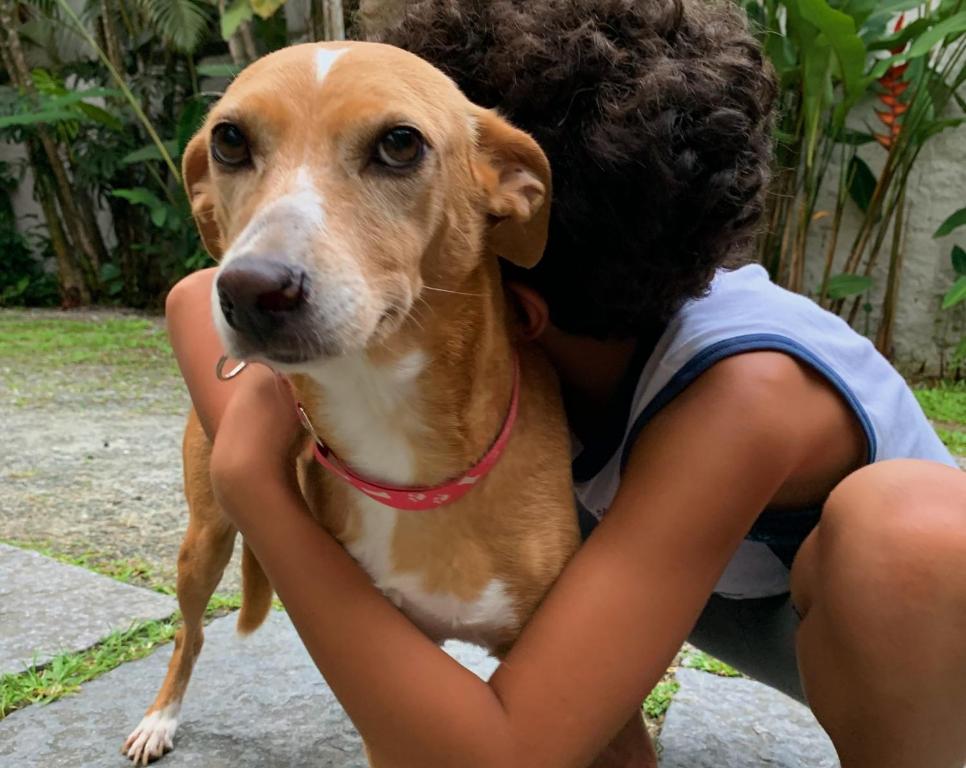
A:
[888,544]
[189,291]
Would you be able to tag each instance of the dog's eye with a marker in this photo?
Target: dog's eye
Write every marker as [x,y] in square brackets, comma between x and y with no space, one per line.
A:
[401,147]
[229,145]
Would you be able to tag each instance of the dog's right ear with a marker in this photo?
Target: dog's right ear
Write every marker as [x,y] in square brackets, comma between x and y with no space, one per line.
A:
[196,173]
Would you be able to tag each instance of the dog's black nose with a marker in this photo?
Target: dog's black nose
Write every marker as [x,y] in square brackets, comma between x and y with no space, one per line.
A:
[257,295]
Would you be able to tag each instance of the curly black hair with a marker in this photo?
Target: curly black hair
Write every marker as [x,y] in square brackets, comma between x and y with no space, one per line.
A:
[656,118]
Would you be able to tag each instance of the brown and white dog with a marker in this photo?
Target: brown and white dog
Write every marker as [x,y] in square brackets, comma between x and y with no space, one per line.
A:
[358,204]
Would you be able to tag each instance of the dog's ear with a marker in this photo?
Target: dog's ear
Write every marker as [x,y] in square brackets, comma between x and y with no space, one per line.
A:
[515,176]
[197,183]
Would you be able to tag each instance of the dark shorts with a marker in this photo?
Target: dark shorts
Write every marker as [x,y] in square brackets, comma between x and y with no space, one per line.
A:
[756,636]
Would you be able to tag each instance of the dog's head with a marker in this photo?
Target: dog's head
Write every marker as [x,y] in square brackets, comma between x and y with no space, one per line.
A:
[334,181]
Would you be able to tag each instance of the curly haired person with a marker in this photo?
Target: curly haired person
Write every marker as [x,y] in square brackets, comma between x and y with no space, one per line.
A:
[750,473]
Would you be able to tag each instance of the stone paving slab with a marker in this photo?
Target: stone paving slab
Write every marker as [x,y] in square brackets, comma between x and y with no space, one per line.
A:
[719,722]
[48,607]
[255,701]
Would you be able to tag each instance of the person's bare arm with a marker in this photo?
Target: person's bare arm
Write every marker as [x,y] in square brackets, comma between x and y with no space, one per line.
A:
[698,476]
[197,349]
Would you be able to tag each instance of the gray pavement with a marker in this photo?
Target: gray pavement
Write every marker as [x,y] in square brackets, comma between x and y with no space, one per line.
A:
[47,607]
[253,702]
[726,722]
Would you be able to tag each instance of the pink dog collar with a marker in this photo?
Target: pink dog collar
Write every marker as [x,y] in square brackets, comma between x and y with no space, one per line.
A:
[420,498]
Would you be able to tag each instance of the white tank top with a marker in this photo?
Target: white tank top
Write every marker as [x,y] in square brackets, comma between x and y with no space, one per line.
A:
[743,312]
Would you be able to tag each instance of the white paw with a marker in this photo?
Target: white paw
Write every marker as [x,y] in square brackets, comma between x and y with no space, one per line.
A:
[154,735]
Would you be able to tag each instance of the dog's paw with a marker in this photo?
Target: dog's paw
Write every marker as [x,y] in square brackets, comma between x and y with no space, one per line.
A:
[153,737]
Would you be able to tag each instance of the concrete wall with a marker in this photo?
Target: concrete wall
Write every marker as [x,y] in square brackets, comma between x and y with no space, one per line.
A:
[925,337]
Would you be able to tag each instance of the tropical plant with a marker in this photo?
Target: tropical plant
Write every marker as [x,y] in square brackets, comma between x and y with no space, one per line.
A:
[833,56]
[108,133]
[956,295]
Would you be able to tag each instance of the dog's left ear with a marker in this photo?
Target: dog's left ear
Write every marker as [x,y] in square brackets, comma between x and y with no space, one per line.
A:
[515,176]
[197,183]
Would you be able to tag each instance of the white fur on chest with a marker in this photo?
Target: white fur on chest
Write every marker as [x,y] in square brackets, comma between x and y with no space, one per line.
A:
[372,412]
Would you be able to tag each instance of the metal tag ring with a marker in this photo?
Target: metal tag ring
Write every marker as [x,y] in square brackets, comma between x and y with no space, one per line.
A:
[220,369]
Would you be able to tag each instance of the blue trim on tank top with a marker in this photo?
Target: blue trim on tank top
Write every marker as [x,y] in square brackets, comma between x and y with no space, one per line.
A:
[753,342]
[784,532]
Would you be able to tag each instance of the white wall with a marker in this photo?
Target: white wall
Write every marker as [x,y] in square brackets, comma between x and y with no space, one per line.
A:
[925,337]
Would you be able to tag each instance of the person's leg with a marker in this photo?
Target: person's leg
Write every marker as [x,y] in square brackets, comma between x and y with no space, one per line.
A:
[631,747]
[881,587]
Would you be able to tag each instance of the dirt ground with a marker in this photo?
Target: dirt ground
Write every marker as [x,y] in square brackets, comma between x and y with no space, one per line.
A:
[90,461]
[90,453]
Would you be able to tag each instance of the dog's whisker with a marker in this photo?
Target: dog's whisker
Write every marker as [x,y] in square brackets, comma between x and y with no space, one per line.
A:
[457,293]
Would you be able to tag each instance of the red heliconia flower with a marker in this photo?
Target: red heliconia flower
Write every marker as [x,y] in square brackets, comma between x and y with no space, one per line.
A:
[892,89]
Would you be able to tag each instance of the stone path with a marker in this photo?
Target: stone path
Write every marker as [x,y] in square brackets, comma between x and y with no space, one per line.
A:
[253,702]
[723,722]
[47,608]
[259,701]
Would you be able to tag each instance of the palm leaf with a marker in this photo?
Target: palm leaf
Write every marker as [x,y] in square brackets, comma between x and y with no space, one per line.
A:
[181,23]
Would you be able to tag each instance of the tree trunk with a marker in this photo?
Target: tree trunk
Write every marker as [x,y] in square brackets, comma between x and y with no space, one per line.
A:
[333,19]
[110,37]
[73,291]
[248,40]
[65,193]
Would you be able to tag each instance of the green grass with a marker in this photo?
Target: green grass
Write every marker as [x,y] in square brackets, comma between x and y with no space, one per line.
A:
[66,673]
[945,405]
[955,440]
[63,341]
[695,659]
[659,699]
[87,360]
[130,570]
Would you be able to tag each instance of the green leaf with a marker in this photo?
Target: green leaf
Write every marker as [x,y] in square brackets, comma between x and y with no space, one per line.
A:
[958,257]
[37,118]
[924,43]
[955,294]
[181,23]
[955,221]
[960,353]
[101,116]
[138,196]
[861,182]
[109,272]
[903,36]
[218,70]
[844,285]
[938,126]
[839,29]
[189,122]
[853,138]
[266,8]
[158,209]
[150,152]
[235,14]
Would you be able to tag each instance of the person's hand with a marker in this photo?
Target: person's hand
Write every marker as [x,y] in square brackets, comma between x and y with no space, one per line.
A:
[258,439]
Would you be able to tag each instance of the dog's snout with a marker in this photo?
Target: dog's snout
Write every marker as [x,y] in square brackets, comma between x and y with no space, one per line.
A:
[256,294]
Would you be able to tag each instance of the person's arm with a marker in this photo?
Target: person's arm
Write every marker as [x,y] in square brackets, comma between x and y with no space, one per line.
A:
[197,349]
[698,476]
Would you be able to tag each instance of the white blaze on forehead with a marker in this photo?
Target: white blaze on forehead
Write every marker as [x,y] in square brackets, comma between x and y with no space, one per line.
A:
[324,59]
